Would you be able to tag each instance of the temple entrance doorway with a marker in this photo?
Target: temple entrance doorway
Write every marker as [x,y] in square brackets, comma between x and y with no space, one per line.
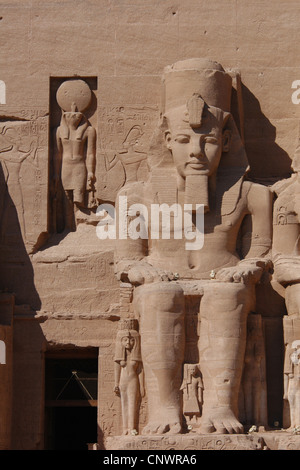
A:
[71,384]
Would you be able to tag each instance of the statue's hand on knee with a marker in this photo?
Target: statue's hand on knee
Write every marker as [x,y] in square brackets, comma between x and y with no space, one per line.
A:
[247,271]
[141,272]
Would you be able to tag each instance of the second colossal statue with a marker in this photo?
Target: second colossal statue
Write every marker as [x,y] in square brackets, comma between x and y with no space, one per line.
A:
[286,254]
[196,157]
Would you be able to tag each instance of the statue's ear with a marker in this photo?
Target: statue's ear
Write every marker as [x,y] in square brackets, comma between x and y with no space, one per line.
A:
[227,133]
[226,140]
[167,136]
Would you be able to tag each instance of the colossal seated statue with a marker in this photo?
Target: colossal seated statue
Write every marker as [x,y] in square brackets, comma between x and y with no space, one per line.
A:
[197,162]
[286,254]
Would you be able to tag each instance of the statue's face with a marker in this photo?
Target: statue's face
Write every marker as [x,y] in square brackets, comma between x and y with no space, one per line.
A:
[194,150]
[73,118]
[194,370]
[128,342]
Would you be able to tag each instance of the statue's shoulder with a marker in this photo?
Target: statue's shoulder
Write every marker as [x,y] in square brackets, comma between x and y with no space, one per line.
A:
[258,188]
[257,195]
[90,130]
[284,186]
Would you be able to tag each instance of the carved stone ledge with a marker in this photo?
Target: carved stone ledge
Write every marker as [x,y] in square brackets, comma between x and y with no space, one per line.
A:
[187,442]
[273,440]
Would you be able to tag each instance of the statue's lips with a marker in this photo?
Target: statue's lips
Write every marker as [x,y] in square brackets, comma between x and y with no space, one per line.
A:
[196,164]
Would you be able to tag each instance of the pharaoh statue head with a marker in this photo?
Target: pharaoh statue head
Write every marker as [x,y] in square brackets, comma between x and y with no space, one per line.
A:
[197,138]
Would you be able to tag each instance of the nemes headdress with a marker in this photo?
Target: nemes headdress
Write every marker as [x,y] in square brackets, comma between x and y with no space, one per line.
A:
[201,86]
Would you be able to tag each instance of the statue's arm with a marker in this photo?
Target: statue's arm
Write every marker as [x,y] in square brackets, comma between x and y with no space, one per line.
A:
[117,378]
[91,154]
[131,264]
[260,205]
[142,381]
[286,243]
[257,257]
[129,252]
[57,157]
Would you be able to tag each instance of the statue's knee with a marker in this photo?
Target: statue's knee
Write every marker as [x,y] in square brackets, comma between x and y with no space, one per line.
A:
[292,299]
[159,296]
[227,300]
[160,309]
[78,196]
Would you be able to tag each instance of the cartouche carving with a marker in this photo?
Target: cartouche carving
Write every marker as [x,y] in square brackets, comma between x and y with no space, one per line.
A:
[75,159]
[197,157]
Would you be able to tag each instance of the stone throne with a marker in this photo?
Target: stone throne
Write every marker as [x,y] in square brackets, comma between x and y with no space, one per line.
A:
[198,306]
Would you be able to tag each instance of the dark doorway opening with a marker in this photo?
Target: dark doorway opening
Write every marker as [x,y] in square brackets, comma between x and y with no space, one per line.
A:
[72,427]
[71,400]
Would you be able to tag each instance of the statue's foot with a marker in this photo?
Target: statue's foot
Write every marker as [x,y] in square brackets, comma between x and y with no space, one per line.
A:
[159,427]
[220,420]
[129,432]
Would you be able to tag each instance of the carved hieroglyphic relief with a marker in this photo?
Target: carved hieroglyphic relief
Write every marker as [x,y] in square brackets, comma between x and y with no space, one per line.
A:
[24,162]
[110,414]
[187,442]
[123,146]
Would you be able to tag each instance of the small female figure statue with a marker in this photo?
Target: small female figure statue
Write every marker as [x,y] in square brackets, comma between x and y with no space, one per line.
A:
[192,387]
[128,374]
[292,382]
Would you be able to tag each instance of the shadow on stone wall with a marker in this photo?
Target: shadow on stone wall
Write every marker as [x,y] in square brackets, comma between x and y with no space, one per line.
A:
[16,274]
[268,161]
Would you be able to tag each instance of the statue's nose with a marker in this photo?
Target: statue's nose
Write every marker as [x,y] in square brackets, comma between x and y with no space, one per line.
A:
[195,149]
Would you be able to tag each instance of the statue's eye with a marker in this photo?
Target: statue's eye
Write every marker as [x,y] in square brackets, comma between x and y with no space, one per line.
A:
[211,140]
[182,139]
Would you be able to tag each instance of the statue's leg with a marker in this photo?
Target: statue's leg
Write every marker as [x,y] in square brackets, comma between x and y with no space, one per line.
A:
[257,395]
[161,310]
[69,210]
[292,402]
[79,197]
[223,311]
[247,390]
[292,299]
[124,404]
[133,401]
